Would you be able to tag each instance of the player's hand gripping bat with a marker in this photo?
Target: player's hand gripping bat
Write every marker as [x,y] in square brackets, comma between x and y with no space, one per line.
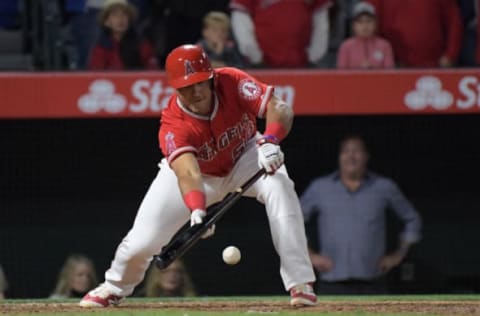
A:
[188,235]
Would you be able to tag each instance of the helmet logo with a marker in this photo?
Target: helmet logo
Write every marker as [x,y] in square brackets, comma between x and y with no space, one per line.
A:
[188,68]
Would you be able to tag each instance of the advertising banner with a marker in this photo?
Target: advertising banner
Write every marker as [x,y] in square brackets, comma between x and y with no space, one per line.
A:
[310,92]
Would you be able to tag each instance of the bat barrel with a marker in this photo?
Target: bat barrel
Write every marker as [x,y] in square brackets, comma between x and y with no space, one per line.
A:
[187,237]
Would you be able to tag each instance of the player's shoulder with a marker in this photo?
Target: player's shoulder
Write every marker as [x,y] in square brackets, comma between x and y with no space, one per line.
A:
[233,78]
[172,113]
[230,72]
[229,79]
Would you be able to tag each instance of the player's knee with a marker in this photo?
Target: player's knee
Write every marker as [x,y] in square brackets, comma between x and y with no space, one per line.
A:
[277,187]
[278,184]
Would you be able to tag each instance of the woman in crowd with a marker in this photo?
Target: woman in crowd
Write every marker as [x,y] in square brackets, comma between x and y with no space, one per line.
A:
[171,282]
[76,278]
[119,46]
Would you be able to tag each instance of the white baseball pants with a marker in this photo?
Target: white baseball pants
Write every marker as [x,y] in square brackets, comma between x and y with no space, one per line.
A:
[163,212]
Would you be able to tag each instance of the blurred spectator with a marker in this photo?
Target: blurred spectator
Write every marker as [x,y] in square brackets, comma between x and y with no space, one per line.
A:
[82,29]
[350,205]
[426,33]
[119,46]
[173,23]
[215,42]
[469,12]
[3,284]
[281,33]
[365,49]
[174,281]
[76,278]
[338,26]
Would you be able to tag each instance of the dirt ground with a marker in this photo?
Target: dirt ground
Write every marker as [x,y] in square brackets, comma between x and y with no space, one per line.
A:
[420,307]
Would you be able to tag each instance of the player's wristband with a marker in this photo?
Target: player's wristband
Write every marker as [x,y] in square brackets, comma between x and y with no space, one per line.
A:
[267,139]
[195,199]
[276,130]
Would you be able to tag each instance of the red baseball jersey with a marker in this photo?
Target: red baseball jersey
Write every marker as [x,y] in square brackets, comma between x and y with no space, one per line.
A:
[282,28]
[217,140]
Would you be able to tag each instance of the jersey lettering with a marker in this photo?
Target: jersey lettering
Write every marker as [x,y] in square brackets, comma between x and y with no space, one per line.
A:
[220,142]
[207,151]
[237,151]
[242,131]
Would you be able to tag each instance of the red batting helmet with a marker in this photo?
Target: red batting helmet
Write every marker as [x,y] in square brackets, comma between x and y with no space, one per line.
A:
[187,65]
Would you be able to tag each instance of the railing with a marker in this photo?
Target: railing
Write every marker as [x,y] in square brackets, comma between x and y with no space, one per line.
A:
[310,92]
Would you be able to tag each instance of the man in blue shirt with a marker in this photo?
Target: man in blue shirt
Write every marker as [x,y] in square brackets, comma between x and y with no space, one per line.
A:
[351,204]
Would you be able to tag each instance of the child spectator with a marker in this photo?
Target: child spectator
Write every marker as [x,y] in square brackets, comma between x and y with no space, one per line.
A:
[365,49]
[76,278]
[3,284]
[215,42]
[173,281]
[119,47]
[170,24]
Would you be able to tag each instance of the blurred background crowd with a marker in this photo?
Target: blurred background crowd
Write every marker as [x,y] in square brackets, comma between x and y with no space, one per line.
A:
[348,249]
[78,275]
[138,34]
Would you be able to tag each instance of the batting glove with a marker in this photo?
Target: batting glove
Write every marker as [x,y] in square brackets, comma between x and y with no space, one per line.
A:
[197,217]
[270,156]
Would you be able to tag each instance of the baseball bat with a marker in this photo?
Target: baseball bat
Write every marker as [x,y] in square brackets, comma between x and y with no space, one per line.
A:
[187,236]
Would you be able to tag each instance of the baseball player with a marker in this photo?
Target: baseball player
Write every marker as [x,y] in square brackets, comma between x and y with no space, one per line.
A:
[211,146]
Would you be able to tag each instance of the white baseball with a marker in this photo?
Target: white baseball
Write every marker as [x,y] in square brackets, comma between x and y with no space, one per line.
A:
[231,255]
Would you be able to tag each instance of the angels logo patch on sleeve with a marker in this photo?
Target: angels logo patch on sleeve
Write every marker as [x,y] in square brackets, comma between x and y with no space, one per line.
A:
[170,143]
[249,90]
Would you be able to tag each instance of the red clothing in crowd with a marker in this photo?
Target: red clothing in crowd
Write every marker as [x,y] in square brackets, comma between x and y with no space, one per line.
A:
[421,31]
[282,28]
[108,58]
[357,52]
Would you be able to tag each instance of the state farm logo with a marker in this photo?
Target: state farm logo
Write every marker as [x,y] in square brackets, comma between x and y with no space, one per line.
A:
[428,93]
[101,96]
[144,96]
